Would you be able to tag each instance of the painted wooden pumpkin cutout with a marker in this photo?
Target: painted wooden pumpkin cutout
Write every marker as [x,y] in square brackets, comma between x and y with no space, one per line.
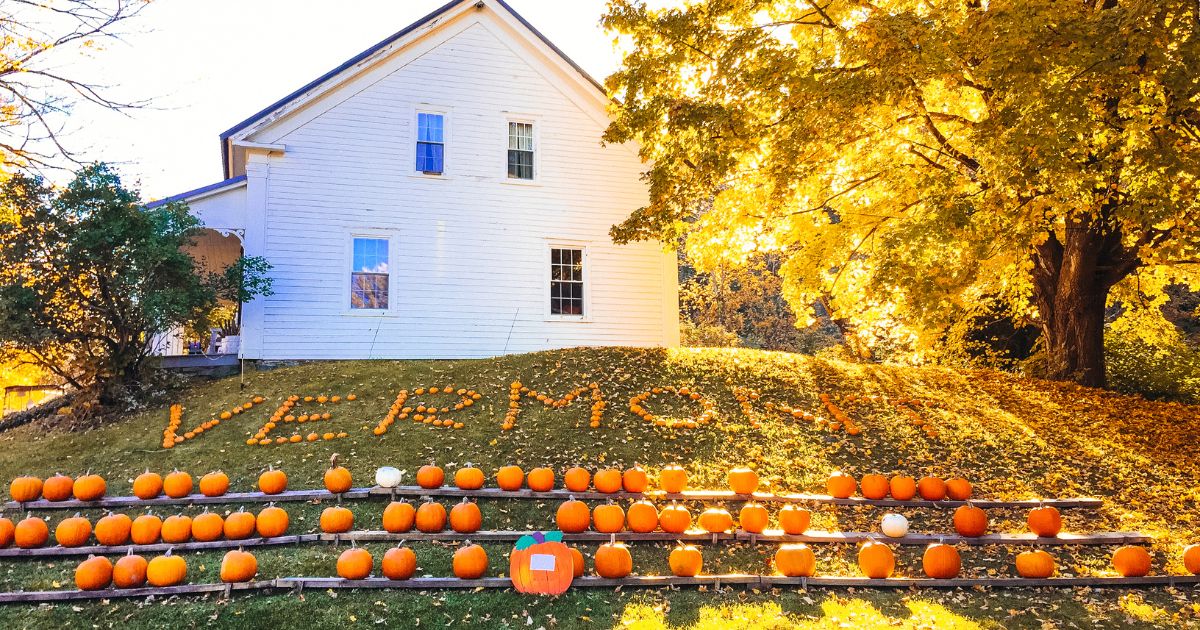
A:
[541,564]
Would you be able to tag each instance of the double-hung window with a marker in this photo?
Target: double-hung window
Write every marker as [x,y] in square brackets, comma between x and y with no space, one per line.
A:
[369,274]
[431,143]
[520,150]
[566,281]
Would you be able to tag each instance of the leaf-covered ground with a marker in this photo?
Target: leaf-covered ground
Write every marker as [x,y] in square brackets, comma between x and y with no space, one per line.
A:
[1014,438]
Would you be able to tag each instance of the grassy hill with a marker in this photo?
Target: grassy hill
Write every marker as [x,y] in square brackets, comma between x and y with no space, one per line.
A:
[1013,438]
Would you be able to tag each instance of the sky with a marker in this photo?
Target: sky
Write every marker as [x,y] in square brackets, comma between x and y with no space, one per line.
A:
[205,65]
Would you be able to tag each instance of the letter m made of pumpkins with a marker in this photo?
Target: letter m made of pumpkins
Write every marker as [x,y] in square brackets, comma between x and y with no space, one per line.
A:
[541,564]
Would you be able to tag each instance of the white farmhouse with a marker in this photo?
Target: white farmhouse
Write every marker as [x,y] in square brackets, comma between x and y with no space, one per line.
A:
[444,194]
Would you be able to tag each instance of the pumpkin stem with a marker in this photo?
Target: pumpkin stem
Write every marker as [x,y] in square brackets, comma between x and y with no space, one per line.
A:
[333,461]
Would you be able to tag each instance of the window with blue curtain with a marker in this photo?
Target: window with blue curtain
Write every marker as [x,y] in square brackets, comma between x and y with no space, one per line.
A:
[431,143]
[520,150]
[369,274]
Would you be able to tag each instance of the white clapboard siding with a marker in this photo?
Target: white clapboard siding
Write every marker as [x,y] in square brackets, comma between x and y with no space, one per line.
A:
[469,249]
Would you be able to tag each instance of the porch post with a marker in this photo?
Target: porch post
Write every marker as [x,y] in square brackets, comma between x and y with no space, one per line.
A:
[258,171]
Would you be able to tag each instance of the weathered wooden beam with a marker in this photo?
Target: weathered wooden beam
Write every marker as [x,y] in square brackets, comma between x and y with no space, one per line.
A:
[30,597]
[98,550]
[496,536]
[812,536]
[192,499]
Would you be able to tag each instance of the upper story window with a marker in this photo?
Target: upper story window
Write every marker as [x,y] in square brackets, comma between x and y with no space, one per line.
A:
[369,274]
[431,143]
[566,281]
[520,150]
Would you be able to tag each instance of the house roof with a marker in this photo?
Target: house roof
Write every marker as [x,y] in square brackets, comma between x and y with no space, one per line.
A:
[184,196]
[227,134]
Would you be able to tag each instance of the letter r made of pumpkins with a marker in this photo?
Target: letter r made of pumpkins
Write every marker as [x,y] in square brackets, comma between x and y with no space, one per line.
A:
[541,564]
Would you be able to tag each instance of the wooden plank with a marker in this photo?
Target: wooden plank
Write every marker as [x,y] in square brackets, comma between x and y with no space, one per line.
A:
[812,536]
[98,550]
[191,499]
[486,536]
[168,591]
[1009,582]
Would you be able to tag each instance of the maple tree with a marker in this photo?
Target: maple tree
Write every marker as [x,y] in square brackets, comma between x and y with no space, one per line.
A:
[915,161]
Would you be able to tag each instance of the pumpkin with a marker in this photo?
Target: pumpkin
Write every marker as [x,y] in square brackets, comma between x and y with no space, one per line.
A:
[337,519]
[207,526]
[89,488]
[469,478]
[166,570]
[874,487]
[541,564]
[271,522]
[753,518]
[73,531]
[902,488]
[608,481]
[272,481]
[675,519]
[540,480]
[176,529]
[399,563]
[465,518]
[795,560]
[635,480]
[470,562]
[959,489]
[580,565]
[431,517]
[94,573]
[239,525]
[355,563]
[1035,564]
[214,484]
[876,560]
[608,518]
[742,480]
[238,566]
[1191,559]
[147,485]
[58,488]
[794,520]
[642,517]
[941,561]
[388,476]
[672,479]
[7,528]
[1131,561]
[398,517]
[573,516]
[25,489]
[510,478]
[177,484]
[893,525]
[113,529]
[613,561]
[970,521]
[577,479]
[129,571]
[685,561]
[146,530]
[840,485]
[1045,521]
[931,488]
[715,520]
[31,532]
[430,476]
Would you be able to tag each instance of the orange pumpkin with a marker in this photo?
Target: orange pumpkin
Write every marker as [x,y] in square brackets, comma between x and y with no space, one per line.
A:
[470,562]
[113,529]
[510,478]
[89,488]
[577,479]
[743,480]
[271,522]
[399,563]
[399,517]
[608,481]
[94,573]
[794,520]
[469,478]
[931,488]
[573,516]
[177,484]
[635,480]
[176,529]
[239,525]
[238,566]
[753,518]
[795,560]
[25,489]
[672,479]
[147,485]
[1191,559]
[902,488]
[675,519]
[166,570]
[970,521]
[1035,564]
[129,571]
[214,484]
[540,480]
[1045,521]
[73,531]
[876,560]
[642,517]
[553,570]
[959,489]
[337,519]
[146,530]
[7,530]
[430,476]
[608,518]
[465,518]
[207,526]
[58,488]
[31,532]
[272,481]
[1131,561]
[874,486]
[580,565]
[685,561]
[613,561]
[840,485]
[716,520]
[941,562]
[355,563]
[431,517]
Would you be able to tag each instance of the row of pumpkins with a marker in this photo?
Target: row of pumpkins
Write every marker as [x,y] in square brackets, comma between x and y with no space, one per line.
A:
[147,529]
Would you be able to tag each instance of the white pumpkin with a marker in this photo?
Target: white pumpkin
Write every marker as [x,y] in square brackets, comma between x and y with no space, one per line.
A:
[388,477]
[894,525]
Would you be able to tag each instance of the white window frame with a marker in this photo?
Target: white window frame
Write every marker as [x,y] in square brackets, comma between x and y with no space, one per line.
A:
[530,119]
[548,279]
[348,274]
[447,139]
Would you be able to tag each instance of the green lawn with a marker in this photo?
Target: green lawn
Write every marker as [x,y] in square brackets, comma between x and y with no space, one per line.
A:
[1013,438]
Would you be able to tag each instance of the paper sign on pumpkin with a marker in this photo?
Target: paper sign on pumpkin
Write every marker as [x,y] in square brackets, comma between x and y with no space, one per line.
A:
[541,564]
